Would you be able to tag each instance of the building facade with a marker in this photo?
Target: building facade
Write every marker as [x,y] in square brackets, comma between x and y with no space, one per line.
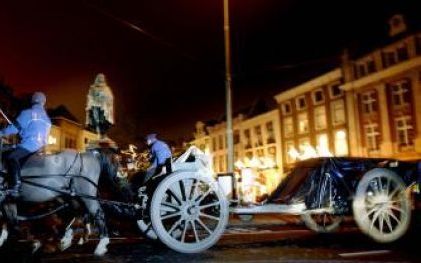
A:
[314,119]
[68,134]
[257,144]
[382,90]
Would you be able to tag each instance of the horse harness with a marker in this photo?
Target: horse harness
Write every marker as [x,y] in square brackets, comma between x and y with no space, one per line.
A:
[67,191]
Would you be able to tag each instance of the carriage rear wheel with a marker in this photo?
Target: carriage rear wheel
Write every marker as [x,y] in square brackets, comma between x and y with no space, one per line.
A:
[189,212]
[322,222]
[381,207]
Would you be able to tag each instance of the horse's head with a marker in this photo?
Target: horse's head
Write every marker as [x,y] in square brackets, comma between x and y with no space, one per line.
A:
[109,160]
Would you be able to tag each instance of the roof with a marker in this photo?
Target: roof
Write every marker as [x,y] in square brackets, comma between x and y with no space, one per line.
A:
[62,112]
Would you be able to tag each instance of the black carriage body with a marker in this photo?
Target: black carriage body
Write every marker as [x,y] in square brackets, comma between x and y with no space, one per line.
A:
[331,182]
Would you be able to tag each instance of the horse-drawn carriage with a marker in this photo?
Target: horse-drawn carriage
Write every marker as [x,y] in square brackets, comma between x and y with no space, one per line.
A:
[186,209]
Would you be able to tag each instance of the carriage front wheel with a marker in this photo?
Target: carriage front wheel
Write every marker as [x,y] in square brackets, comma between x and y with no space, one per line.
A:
[381,207]
[189,212]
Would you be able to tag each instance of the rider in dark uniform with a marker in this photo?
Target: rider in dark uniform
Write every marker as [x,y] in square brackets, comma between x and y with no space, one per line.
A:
[33,126]
[160,156]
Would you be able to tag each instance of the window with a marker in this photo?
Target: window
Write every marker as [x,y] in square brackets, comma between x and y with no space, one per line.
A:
[372,136]
[403,53]
[86,140]
[318,96]
[322,147]
[236,137]
[337,109]
[335,91]
[272,153]
[270,134]
[286,108]
[361,70]
[221,163]
[259,137]
[305,149]
[418,45]
[400,93]
[389,58]
[215,164]
[288,127]
[291,153]
[302,123]
[320,122]
[371,66]
[369,102]
[214,144]
[221,142]
[341,143]
[404,131]
[247,141]
[301,102]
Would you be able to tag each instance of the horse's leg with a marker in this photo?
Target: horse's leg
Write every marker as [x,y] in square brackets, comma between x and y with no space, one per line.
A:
[66,240]
[86,232]
[95,210]
[4,234]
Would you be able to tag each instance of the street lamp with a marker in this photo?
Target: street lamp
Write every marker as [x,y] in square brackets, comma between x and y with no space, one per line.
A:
[228,89]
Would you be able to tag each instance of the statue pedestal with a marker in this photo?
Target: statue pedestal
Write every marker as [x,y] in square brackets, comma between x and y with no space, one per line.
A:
[102,143]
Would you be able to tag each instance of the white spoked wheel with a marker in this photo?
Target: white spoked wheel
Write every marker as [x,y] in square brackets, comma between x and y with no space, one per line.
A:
[189,212]
[322,222]
[381,207]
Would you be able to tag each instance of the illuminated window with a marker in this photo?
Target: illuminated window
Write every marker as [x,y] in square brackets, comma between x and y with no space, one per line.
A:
[288,127]
[318,96]
[52,140]
[369,101]
[337,108]
[404,131]
[320,122]
[372,136]
[272,153]
[300,103]
[341,143]
[291,153]
[302,123]
[322,145]
[400,93]
[286,108]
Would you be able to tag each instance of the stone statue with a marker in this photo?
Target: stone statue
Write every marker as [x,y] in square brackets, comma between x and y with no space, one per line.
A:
[100,106]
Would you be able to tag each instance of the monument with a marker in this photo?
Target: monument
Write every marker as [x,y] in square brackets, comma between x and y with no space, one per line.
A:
[100,107]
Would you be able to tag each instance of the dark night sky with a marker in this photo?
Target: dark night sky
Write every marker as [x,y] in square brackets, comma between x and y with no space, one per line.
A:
[167,81]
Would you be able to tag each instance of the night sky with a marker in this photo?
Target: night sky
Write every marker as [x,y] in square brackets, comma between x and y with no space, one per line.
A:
[172,74]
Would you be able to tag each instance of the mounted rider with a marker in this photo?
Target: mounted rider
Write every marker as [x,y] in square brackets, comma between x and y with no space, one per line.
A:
[160,156]
[33,126]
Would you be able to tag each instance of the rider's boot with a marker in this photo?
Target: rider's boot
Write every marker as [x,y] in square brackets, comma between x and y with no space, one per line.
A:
[14,189]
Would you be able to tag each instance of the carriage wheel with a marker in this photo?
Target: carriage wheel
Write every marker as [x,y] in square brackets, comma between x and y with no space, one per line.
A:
[381,207]
[322,223]
[189,212]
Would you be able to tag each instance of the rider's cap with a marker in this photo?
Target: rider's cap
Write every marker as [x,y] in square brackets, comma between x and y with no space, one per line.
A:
[151,136]
[39,98]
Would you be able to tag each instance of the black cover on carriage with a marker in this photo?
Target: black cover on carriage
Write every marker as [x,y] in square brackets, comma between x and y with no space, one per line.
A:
[323,181]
